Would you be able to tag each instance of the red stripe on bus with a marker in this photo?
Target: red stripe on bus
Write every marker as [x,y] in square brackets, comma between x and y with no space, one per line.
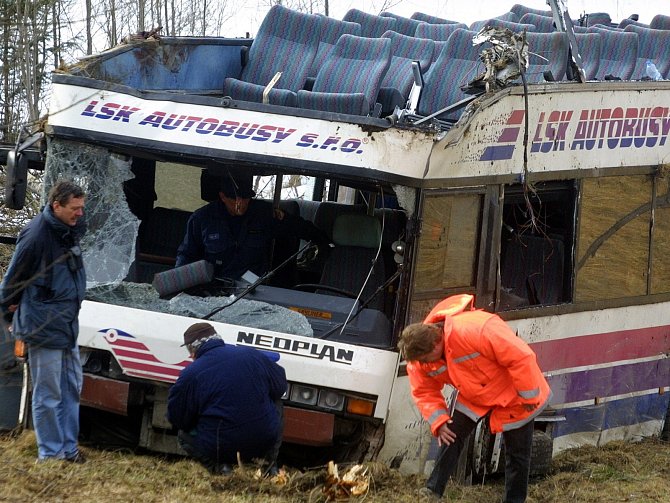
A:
[602,348]
[156,369]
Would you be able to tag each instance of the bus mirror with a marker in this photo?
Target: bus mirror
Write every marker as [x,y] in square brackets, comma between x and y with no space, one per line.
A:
[16,182]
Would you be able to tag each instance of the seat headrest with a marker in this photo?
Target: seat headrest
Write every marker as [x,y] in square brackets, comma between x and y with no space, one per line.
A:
[357,230]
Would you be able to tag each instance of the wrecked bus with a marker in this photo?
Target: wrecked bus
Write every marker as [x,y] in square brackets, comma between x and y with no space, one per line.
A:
[547,200]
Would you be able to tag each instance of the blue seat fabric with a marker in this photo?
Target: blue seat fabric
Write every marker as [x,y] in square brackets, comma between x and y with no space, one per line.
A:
[405,50]
[372,26]
[589,45]
[349,80]
[438,32]
[283,34]
[499,23]
[405,25]
[618,53]
[553,47]
[544,24]
[331,30]
[654,45]
[427,18]
[456,65]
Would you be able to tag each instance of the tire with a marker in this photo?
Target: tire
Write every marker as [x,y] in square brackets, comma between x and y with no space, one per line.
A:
[540,460]
[480,452]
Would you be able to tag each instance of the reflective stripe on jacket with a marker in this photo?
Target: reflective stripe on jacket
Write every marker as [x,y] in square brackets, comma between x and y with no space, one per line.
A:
[493,369]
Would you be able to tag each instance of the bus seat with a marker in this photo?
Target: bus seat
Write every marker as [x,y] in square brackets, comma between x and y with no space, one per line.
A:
[618,53]
[653,45]
[595,18]
[348,81]
[328,211]
[589,45]
[546,52]
[428,19]
[158,238]
[403,25]
[501,23]
[331,30]
[372,26]
[283,34]
[660,22]
[532,269]
[397,82]
[456,64]
[543,24]
[438,32]
[625,22]
[284,247]
[307,208]
[356,238]
[520,10]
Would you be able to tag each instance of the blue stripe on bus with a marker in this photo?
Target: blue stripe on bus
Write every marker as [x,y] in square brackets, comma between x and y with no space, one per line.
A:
[589,384]
[497,153]
[617,413]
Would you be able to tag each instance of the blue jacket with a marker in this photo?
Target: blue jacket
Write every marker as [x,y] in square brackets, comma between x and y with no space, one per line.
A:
[210,236]
[228,396]
[47,280]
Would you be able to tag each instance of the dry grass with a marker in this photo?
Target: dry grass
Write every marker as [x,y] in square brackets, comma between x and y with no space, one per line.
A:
[619,472]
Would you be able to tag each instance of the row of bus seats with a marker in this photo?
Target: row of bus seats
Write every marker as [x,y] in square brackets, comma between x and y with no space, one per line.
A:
[362,64]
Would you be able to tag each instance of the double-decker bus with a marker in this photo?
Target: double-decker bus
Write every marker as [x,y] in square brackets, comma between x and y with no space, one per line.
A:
[548,200]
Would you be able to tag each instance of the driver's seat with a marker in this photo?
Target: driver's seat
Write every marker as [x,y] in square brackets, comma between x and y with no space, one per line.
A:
[357,239]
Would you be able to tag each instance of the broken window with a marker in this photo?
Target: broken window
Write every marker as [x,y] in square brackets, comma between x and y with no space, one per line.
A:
[536,245]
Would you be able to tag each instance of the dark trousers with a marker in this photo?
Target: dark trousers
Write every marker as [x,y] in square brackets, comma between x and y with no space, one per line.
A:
[517,458]
[189,442]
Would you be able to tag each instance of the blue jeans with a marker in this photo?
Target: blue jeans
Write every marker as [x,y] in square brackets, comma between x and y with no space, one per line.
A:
[57,380]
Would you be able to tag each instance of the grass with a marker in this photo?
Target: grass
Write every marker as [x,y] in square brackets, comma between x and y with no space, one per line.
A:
[618,472]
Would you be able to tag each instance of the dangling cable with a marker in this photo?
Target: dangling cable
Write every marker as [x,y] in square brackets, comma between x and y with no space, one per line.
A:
[372,264]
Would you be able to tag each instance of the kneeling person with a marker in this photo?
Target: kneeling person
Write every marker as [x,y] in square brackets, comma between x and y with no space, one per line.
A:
[227,401]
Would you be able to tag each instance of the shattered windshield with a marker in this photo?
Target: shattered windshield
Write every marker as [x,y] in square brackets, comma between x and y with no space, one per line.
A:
[109,244]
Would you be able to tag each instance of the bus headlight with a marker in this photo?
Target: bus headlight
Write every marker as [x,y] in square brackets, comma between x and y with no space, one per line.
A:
[331,400]
[304,394]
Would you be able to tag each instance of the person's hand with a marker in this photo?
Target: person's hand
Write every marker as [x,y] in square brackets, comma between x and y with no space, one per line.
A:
[12,308]
[445,435]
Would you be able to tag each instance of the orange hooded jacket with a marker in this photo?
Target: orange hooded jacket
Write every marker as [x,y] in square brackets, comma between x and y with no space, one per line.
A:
[493,370]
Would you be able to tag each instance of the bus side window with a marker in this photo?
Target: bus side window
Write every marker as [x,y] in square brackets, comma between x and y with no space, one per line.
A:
[448,248]
[536,245]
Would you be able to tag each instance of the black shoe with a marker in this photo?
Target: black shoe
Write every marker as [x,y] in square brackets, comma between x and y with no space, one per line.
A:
[78,458]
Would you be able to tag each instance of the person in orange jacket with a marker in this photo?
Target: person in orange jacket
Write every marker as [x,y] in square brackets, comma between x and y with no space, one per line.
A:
[495,374]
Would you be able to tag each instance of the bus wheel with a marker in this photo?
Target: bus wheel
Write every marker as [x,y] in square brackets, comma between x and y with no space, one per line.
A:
[540,460]
[481,452]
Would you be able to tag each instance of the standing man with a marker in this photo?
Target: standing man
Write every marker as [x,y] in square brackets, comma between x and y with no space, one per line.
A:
[228,401]
[43,288]
[496,375]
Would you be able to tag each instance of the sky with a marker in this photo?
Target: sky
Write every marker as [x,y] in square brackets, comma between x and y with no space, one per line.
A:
[249,16]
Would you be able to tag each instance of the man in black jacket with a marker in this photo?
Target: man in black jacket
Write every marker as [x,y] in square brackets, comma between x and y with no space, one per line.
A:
[235,232]
[228,401]
[43,289]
